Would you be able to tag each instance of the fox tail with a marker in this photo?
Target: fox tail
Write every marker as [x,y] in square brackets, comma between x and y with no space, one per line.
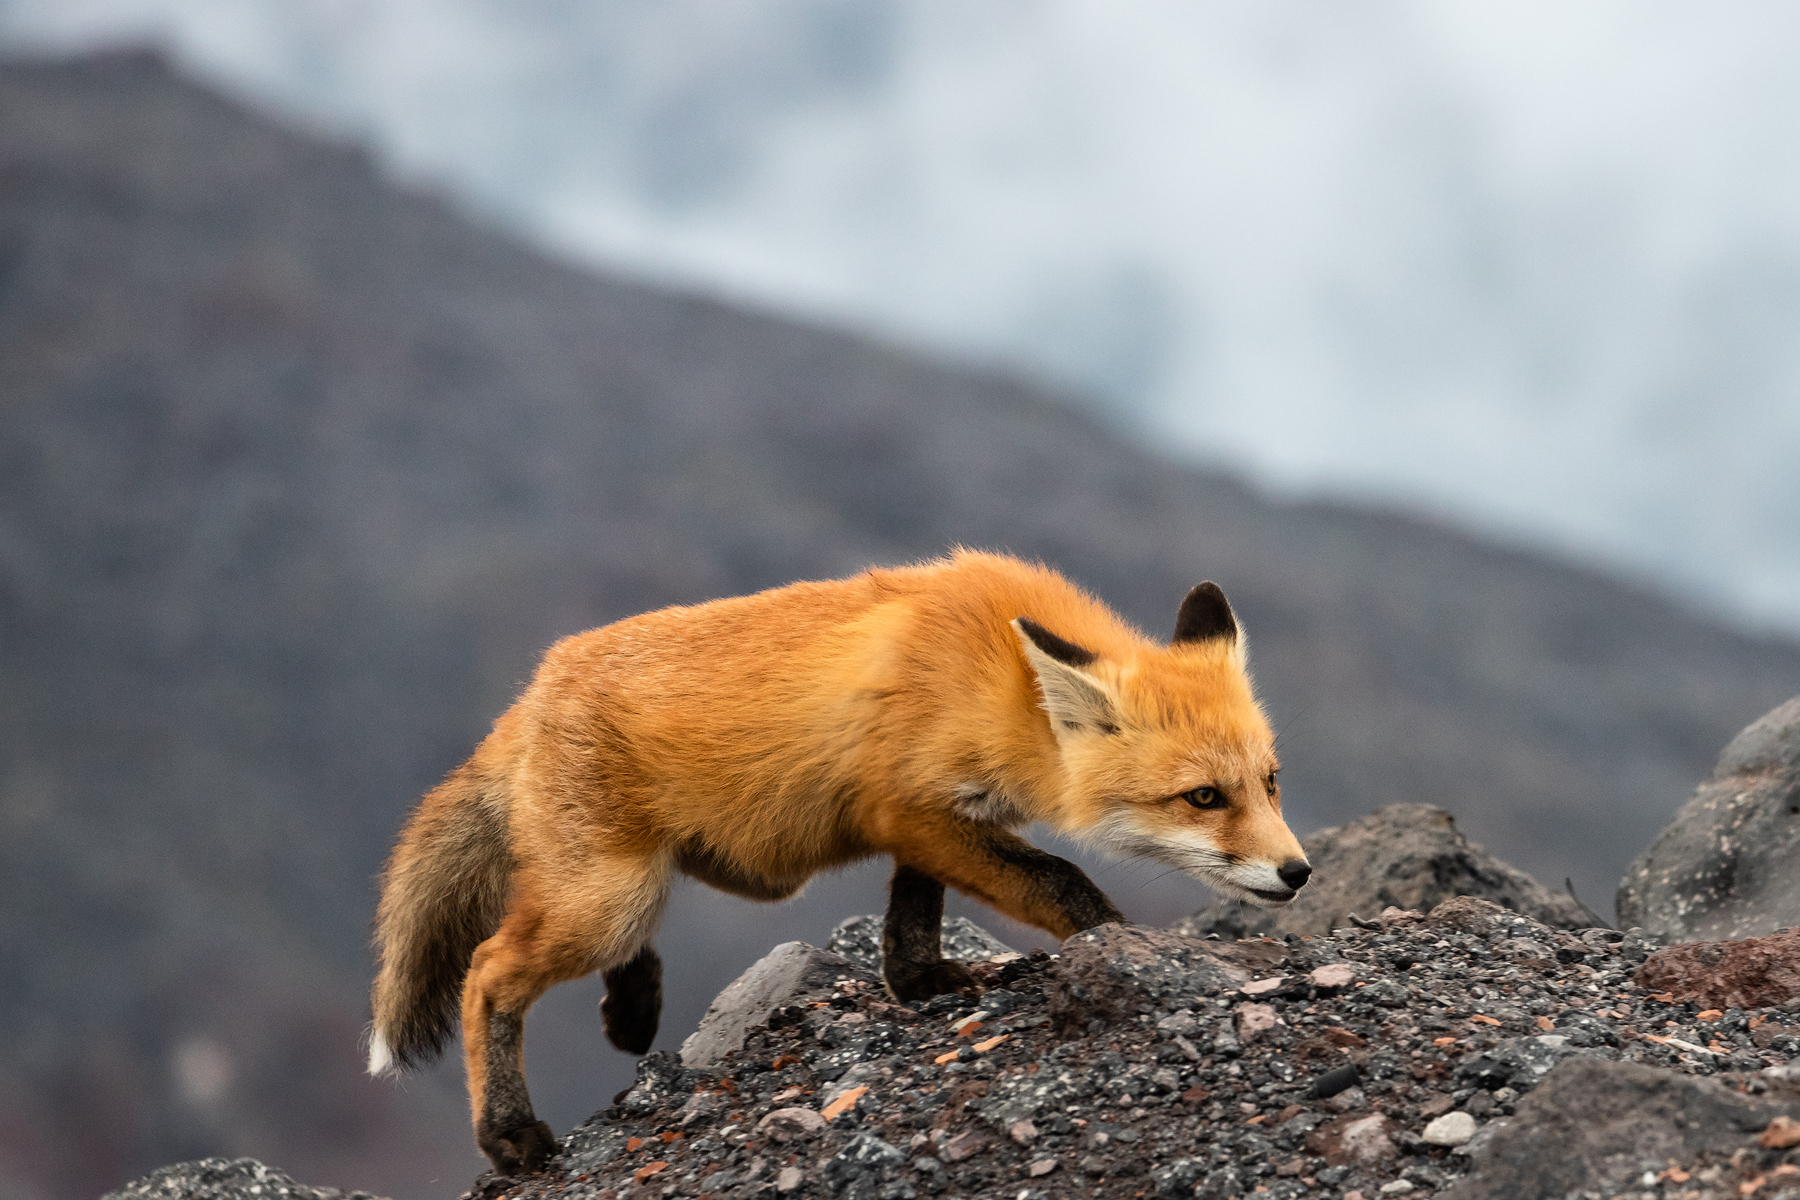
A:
[444,892]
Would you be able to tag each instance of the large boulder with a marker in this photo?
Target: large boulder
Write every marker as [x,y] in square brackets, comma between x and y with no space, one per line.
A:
[1408,856]
[785,974]
[1728,865]
[1592,1126]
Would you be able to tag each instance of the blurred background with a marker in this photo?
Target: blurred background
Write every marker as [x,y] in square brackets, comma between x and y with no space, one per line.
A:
[352,352]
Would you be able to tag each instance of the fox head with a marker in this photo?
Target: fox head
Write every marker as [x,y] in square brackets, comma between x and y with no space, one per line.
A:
[1167,754]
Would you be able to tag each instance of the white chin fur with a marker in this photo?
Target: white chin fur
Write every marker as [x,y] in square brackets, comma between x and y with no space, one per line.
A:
[1243,893]
[1240,881]
[381,1059]
[1247,883]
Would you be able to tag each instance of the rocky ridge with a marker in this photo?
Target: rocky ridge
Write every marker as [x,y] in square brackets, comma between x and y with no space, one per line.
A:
[1389,1057]
[1399,856]
[1472,1052]
[227,1179]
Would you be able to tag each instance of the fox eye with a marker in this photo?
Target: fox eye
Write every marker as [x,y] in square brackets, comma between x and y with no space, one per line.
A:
[1205,798]
[1271,782]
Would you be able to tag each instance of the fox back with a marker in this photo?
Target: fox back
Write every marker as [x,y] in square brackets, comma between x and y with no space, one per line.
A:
[780,729]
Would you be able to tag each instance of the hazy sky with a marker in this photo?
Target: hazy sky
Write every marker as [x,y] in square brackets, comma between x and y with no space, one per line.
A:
[1535,266]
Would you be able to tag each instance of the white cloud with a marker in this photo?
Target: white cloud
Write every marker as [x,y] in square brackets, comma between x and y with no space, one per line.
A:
[1536,265]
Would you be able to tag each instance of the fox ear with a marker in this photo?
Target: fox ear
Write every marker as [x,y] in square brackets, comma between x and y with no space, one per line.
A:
[1205,614]
[1074,699]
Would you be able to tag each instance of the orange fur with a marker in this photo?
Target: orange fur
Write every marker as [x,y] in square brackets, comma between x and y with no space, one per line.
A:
[752,742]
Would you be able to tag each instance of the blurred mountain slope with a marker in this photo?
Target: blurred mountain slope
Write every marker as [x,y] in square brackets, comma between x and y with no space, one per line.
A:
[299,472]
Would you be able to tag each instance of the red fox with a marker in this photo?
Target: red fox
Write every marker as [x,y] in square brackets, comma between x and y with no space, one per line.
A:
[922,713]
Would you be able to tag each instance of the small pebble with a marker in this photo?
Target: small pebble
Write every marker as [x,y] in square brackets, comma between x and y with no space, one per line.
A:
[1451,1129]
[1333,975]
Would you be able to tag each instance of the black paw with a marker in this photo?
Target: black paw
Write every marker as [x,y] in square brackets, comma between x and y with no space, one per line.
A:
[631,1017]
[520,1151]
[912,982]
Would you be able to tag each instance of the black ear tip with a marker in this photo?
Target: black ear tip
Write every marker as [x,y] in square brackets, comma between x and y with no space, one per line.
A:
[1060,649]
[1205,614]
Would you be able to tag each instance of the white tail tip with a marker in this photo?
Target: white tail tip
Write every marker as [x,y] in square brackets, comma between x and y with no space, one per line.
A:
[381,1059]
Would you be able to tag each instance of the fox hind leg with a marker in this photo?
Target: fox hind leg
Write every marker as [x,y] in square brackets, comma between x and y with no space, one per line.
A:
[632,1006]
[912,954]
[605,925]
[503,982]
[507,1130]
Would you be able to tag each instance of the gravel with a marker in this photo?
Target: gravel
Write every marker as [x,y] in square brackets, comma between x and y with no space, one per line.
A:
[1276,1086]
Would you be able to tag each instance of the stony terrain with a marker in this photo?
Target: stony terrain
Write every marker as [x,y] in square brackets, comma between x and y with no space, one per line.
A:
[1379,1060]
[227,1179]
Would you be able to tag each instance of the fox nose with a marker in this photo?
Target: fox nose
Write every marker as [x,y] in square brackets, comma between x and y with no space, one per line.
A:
[1295,872]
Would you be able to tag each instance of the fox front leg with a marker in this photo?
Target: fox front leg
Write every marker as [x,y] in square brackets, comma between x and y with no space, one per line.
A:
[997,868]
[912,954]
[1033,886]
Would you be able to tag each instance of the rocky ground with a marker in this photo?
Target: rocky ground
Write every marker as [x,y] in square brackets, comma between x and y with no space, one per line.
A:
[1383,1059]
[1399,1056]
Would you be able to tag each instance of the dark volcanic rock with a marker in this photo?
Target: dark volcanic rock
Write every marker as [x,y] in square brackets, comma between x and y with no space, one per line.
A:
[1728,865]
[225,1179]
[1409,856]
[1114,972]
[1518,1063]
[789,971]
[661,1076]
[859,940]
[1595,1128]
[1753,973]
